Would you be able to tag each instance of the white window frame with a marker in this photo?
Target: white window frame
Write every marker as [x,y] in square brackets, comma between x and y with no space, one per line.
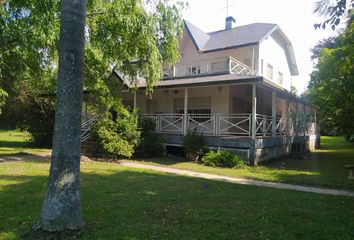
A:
[270,71]
[280,78]
[195,70]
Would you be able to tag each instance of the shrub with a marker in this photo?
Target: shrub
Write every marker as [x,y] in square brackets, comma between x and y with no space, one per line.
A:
[194,144]
[117,136]
[151,144]
[222,159]
[350,136]
[39,121]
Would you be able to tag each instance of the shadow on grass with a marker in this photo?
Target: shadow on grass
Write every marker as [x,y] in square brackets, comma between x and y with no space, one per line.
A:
[168,160]
[15,144]
[121,203]
[24,156]
[324,169]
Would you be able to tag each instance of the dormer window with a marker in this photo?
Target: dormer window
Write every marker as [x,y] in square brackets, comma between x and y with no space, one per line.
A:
[194,70]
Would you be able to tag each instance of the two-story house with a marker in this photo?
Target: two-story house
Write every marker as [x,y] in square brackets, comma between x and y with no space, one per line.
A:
[233,86]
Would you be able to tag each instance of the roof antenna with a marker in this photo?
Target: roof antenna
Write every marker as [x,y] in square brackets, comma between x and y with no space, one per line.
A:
[227,8]
[229,3]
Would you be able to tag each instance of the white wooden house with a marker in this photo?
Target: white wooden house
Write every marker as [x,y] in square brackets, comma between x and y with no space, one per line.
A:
[233,86]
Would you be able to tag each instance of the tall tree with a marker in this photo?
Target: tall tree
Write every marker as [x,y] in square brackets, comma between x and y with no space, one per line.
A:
[61,208]
[331,88]
[115,33]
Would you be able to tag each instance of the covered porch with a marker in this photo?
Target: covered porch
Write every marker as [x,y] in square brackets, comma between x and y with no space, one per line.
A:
[254,110]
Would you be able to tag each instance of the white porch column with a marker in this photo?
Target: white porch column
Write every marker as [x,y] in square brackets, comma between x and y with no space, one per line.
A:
[253,61]
[134,99]
[185,117]
[287,127]
[274,113]
[254,109]
[297,128]
[174,71]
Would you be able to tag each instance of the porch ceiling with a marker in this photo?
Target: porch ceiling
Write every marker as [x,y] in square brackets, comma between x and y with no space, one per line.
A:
[224,79]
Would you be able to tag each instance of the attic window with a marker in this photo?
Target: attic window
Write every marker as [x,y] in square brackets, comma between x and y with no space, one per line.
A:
[194,70]
[269,71]
[280,78]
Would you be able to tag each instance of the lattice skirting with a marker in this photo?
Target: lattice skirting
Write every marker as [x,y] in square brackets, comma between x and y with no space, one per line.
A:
[242,153]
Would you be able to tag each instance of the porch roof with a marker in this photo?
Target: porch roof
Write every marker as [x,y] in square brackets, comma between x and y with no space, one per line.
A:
[198,81]
[211,80]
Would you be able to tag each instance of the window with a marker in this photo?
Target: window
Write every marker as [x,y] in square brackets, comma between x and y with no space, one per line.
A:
[261,66]
[280,78]
[269,71]
[194,70]
[196,105]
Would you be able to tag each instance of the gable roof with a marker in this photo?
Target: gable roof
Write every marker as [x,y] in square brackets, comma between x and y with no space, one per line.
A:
[242,36]
[200,38]
[236,37]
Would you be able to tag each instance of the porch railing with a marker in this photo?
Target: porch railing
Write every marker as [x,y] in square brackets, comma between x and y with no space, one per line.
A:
[235,124]
[230,125]
[264,125]
[204,123]
[225,65]
[86,125]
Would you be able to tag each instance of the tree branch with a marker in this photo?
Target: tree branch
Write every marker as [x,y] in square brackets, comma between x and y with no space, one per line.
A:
[94,14]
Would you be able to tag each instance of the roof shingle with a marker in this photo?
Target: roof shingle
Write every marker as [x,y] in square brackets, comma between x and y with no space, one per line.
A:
[239,36]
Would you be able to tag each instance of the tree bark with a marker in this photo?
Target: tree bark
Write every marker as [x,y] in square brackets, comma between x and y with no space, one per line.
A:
[61,209]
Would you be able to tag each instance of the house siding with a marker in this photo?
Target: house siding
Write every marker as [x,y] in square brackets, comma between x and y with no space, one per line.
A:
[272,52]
[189,53]
[219,95]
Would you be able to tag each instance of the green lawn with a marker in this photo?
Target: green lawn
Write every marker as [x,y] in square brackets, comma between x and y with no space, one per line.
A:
[14,142]
[125,203]
[324,167]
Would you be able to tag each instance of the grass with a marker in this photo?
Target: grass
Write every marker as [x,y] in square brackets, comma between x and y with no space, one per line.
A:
[125,203]
[324,167]
[16,141]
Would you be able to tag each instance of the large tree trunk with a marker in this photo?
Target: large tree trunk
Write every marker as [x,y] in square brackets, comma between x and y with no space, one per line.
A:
[61,208]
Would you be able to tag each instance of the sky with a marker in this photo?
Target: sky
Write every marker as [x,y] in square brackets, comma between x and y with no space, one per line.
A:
[294,17]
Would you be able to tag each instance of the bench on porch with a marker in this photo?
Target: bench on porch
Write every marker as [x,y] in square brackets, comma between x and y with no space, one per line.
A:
[351,171]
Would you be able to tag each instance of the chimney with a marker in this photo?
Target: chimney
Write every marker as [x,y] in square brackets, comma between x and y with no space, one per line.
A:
[230,23]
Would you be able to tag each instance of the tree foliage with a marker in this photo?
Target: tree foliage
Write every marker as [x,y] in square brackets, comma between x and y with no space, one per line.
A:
[117,33]
[118,135]
[331,87]
[334,12]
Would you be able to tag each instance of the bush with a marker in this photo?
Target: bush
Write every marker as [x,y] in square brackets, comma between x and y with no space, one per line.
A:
[118,136]
[151,144]
[39,121]
[194,144]
[33,113]
[222,159]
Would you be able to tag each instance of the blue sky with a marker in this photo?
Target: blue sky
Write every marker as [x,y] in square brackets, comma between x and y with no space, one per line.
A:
[295,18]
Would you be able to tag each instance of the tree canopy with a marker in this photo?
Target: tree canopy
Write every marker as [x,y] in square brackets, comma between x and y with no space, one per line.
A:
[117,33]
[132,36]
[331,88]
